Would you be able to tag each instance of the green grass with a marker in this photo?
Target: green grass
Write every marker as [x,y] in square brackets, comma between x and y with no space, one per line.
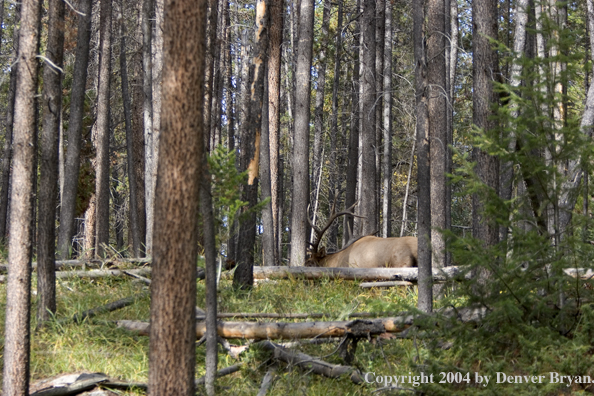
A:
[97,345]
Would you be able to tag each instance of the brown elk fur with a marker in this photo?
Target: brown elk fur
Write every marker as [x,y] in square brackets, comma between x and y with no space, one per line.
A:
[369,252]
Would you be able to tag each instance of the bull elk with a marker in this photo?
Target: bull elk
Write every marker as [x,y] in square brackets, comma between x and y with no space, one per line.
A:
[365,252]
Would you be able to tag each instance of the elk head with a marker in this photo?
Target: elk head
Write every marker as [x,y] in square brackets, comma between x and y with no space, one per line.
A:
[318,255]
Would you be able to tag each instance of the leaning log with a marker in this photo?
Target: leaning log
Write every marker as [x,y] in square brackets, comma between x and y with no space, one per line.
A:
[291,331]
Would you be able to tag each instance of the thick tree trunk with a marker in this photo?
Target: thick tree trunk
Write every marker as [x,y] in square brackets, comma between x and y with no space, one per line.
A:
[103,133]
[52,107]
[436,92]
[425,299]
[75,131]
[484,16]
[380,29]
[251,142]
[268,237]
[367,207]
[173,293]
[301,135]
[18,297]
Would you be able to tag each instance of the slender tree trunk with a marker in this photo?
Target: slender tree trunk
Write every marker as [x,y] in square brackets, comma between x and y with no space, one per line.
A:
[103,132]
[274,103]
[52,108]
[353,150]
[425,299]
[387,124]
[380,29]
[118,206]
[8,139]
[173,293]
[150,162]
[301,135]
[134,224]
[437,89]
[75,131]
[211,30]
[367,139]
[268,237]
[251,142]
[507,171]
[319,108]
[18,298]
[229,78]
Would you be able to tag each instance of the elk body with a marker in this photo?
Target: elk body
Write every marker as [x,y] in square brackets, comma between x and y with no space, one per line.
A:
[365,252]
[370,252]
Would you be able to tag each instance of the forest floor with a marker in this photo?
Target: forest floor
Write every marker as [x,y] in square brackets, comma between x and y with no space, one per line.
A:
[98,345]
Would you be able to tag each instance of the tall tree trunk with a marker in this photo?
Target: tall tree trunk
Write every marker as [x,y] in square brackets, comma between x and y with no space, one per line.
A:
[274,97]
[173,292]
[268,237]
[52,108]
[436,89]
[367,139]
[8,139]
[425,299]
[484,17]
[380,29]
[251,136]
[127,102]
[301,135]
[353,148]
[103,132]
[75,131]
[333,157]
[211,39]
[319,112]
[507,171]
[150,162]
[18,297]
[229,78]
[387,124]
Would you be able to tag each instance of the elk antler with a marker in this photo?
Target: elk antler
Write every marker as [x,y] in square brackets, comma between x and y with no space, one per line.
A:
[333,216]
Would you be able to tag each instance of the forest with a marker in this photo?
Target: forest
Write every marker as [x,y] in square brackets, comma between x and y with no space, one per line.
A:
[212,159]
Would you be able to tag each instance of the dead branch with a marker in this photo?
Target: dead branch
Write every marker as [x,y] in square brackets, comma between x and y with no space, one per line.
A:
[368,285]
[266,382]
[110,307]
[259,315]
[221,373]
[95,274]
[307,362]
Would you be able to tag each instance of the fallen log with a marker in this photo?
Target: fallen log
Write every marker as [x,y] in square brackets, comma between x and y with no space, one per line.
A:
[308,362]
[109,307]
[221,373]
[362,274]
[259,315]
[94,274]
[291,331]
[93,263]
[367,285]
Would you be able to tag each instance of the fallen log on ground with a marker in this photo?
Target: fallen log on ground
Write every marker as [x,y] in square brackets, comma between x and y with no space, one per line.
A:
[92,263]
[368,285]
[362,274]
[291,331]
[260,315]
[221,373]
[109,307]
[94,274]
[308,362]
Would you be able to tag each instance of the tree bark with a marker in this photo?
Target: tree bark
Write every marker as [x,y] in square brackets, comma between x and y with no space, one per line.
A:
[52,108]
[274,111]
[102,192]
[484,16]
[437,107]
[130,154]
[387,124]
[425,299]
[150,161]
[75,131]
[251,142]
[268,237]
[301,135]
[18,298]
[8,139]
[175,251]
[367,207]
